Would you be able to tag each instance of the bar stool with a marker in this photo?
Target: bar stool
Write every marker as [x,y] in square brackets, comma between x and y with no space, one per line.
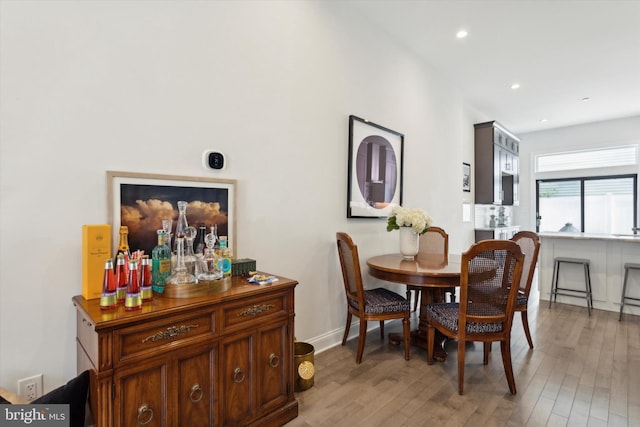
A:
[628,266]
[555,290]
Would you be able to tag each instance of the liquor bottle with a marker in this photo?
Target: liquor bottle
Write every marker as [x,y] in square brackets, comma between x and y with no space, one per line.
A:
[146,290]
[224,261]
[214,236]
[108,298]
[201,240]
[216,246]
[133,299]
[121,279]
[167,224]
[161,263]
[123,247]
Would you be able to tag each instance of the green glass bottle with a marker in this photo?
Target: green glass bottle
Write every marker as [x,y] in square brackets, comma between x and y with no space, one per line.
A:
[160,263]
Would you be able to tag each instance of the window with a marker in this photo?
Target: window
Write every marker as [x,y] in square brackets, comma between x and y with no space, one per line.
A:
[587,159]
[605,204]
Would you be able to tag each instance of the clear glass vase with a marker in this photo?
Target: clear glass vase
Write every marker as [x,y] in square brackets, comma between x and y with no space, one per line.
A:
[181,275]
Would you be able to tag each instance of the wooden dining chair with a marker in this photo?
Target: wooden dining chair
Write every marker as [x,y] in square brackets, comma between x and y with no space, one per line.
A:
[434,241]
[529,243]
[378,304]
[482,313]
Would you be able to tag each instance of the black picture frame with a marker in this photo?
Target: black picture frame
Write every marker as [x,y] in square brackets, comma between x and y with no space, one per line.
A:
[142,200]
[466,177]
[374,184]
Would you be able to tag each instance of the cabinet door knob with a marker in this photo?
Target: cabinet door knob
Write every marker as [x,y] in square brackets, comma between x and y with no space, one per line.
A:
[145,415]
[274,360]
[196,393]
[238,375]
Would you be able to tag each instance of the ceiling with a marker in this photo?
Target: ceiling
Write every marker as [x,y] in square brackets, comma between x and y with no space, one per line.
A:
[559,51]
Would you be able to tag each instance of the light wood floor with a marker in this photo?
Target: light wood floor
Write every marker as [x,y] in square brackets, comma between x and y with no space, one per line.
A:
[583,371]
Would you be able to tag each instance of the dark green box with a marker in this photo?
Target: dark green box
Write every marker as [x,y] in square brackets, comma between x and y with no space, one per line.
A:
[242,266]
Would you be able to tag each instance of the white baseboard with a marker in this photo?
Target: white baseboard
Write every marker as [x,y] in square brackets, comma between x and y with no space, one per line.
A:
[333,338]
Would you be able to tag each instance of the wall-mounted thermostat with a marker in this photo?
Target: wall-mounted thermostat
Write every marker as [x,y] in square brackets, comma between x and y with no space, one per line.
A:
[213,160]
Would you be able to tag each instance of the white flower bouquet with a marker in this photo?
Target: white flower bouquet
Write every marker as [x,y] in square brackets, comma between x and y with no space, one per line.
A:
[415,218]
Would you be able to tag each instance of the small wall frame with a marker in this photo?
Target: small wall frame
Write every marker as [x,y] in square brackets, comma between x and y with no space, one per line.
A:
[466,177]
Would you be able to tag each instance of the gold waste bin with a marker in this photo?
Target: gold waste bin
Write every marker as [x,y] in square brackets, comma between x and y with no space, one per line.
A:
[305,369]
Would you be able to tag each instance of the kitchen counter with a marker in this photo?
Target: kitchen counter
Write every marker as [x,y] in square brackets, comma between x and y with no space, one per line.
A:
[607,255]
[633,238]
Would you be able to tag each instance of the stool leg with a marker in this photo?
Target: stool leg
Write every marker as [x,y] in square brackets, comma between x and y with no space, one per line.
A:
[554,282]
[624,292]
[587,283]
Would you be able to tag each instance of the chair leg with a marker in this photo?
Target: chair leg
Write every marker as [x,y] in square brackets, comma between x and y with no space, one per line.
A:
[416,300]
[382,330]
[461,350]
[406,329]
[431,337]
[346,328]
[486,349]
[505,348]
[525,325]
[362,337]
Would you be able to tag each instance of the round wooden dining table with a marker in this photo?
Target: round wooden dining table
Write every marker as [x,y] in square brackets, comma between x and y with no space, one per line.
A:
[433,273]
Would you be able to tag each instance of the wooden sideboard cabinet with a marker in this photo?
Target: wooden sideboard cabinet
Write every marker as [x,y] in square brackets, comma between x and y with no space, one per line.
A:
[219,360]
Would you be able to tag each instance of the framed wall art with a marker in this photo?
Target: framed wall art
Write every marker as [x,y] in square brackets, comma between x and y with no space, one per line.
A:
[466,177]
[374,185]
[141,201]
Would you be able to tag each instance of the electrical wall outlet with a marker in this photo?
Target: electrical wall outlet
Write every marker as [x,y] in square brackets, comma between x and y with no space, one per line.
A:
[30,388]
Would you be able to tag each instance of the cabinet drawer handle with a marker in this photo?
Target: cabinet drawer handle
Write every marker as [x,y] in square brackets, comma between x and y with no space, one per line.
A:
[238,375]
[196,393]
[169,333]
[274,360]
[256,309]
[145,415]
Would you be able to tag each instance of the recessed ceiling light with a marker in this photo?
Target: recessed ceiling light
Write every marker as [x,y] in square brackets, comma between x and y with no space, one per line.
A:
[515,86]
[543,120]
[585,99]
[461,34]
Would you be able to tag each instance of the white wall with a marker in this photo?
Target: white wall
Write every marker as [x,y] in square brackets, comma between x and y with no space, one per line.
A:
[625,131]
[147,87]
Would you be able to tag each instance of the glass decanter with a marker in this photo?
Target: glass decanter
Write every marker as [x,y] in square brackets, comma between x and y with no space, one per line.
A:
[208,263]
[181,275]
[189,256]
[181,224]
